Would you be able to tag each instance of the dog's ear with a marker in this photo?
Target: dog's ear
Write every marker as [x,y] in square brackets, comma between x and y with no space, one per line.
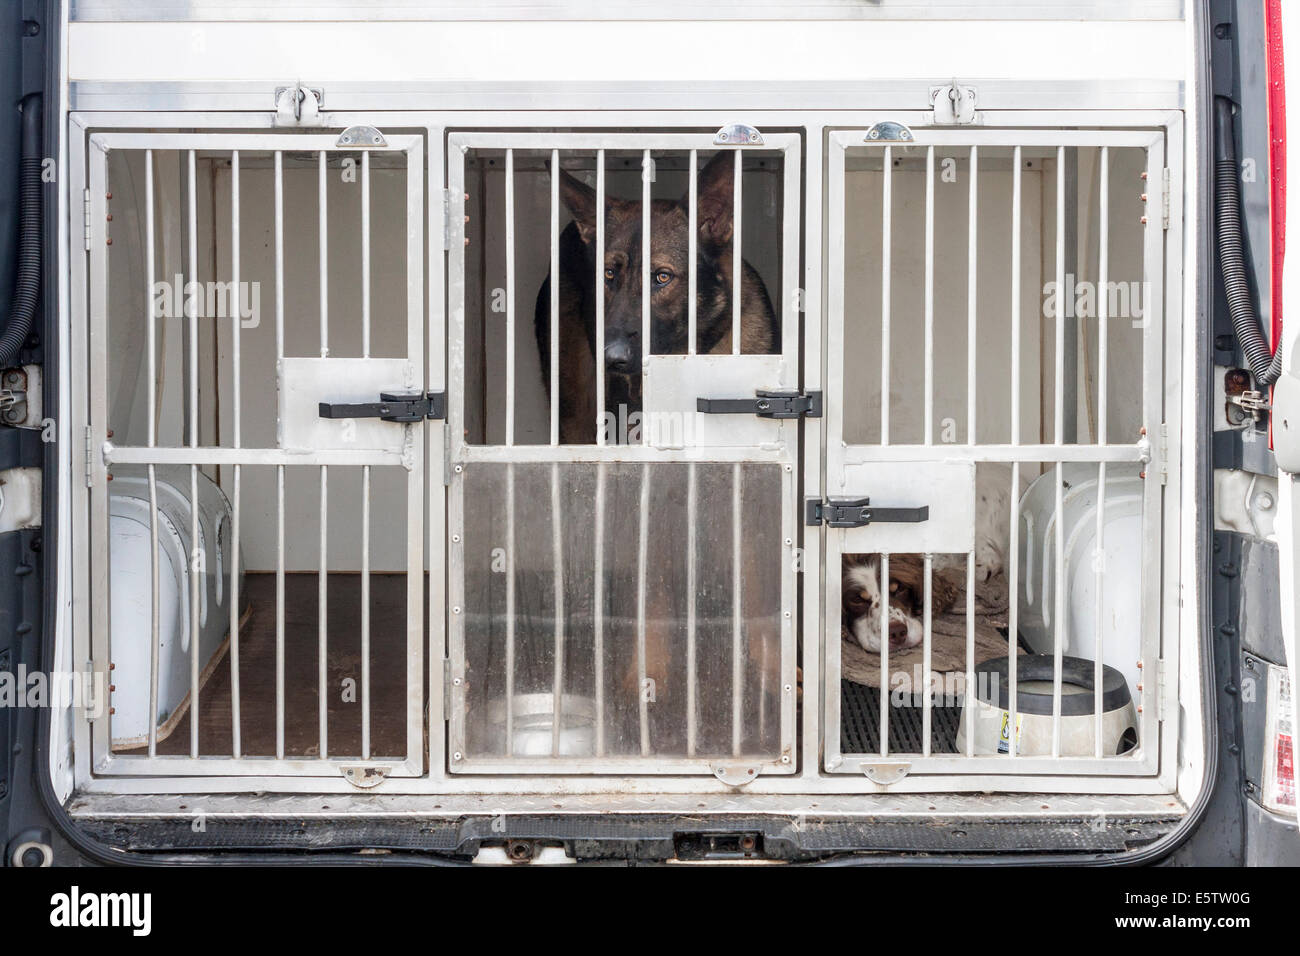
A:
[715,189]
[944,592]
[581,201]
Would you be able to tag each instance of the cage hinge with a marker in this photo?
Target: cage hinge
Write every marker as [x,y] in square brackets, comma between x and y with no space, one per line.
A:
[765,404]
[1164,454]
[361,136]
[1164,197]
[886,773]
[90,707]
[85,205]
[954,104]
[857,513]
[737,134]
[1161,689]
[298,106]
[90,457]
[391,407]
[446,219]
[446,687]
[736,774]
[365,778]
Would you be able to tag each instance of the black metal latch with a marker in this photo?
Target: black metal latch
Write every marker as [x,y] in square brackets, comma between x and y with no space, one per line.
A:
[858,512]
[392,407]
[765,405]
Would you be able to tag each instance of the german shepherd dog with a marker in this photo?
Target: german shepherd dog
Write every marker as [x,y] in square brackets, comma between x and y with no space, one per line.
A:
[582,413]
[669,296]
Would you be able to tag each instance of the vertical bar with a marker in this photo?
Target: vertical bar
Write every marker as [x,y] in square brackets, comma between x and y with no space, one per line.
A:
[279,610]
[555,302]
[929,301]
[737,260]
[646,239]
[970,646]
[692,236]
[365,254]
[598,601]
[322,619]
[886,248]
[236,375]
[601,422]
[1013,602]
[322,180]
[884,654]
[557,545]
[692,505]
[926,621]
[1015,299]
[972,302]
[510,609]
[1103,335]
[151,322]
[643,533]
[1058,587]
[195,554]
[365,612]
[737,607]
[510,299]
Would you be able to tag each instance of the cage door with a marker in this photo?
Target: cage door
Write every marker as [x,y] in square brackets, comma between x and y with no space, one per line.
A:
[257,425]
[996,346]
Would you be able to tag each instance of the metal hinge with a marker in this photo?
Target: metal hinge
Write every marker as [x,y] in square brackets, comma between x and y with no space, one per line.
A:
[85,203]
[857,512]
[765,405]
[391,407]
[1164,197]
[1161,689]
[1164,453]
[446,687]
[954,105]
[446,219]
[90,457]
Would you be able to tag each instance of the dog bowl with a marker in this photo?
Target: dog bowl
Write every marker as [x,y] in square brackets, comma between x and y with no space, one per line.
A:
[989,719]
[534,716]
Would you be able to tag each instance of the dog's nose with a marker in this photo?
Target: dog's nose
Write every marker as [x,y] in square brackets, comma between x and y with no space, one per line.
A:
[618,355]
[897,634]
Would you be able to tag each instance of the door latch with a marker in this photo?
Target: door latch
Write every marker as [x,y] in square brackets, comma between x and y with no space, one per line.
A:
[392,407]
[858,513]
[765,405]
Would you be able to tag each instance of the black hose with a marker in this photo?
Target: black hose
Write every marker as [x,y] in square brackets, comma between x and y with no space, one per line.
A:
[1265,364]
[28,283]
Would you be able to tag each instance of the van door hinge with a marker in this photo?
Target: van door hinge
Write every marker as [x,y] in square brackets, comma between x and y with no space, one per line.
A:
[1164,197]
[765,404]
[85,204]
[857,513]
[446,219]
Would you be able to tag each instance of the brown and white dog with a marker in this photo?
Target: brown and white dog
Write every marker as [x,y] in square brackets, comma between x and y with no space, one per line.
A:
[860,586]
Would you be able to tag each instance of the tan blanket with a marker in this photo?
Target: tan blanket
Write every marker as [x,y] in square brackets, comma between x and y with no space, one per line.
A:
[947,644]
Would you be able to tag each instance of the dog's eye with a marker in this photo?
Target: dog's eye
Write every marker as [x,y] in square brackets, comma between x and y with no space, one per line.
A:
[609,275]
[663,277]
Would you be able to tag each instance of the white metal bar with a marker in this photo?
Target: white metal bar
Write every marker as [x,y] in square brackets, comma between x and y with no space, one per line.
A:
[737,257]
[557,546]
[279,610]
[601,423]
[929,302]
[214,455]
[884,654]
[152,325]
[642,549]
[692,506]
[886,275]
[1032,138]
[737,607]
[1013,608]
[622,141]
[598,598]
[322,619]
[1103,385]
[322,181]
[510,610]
[510,296]
[236,375]
[1015,298]
[692,253]
[927,634]
[970,694]
[365,612]
[195,553]
[1058,589]
[972,300]
[647,165]
[555,314]
[365,254]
